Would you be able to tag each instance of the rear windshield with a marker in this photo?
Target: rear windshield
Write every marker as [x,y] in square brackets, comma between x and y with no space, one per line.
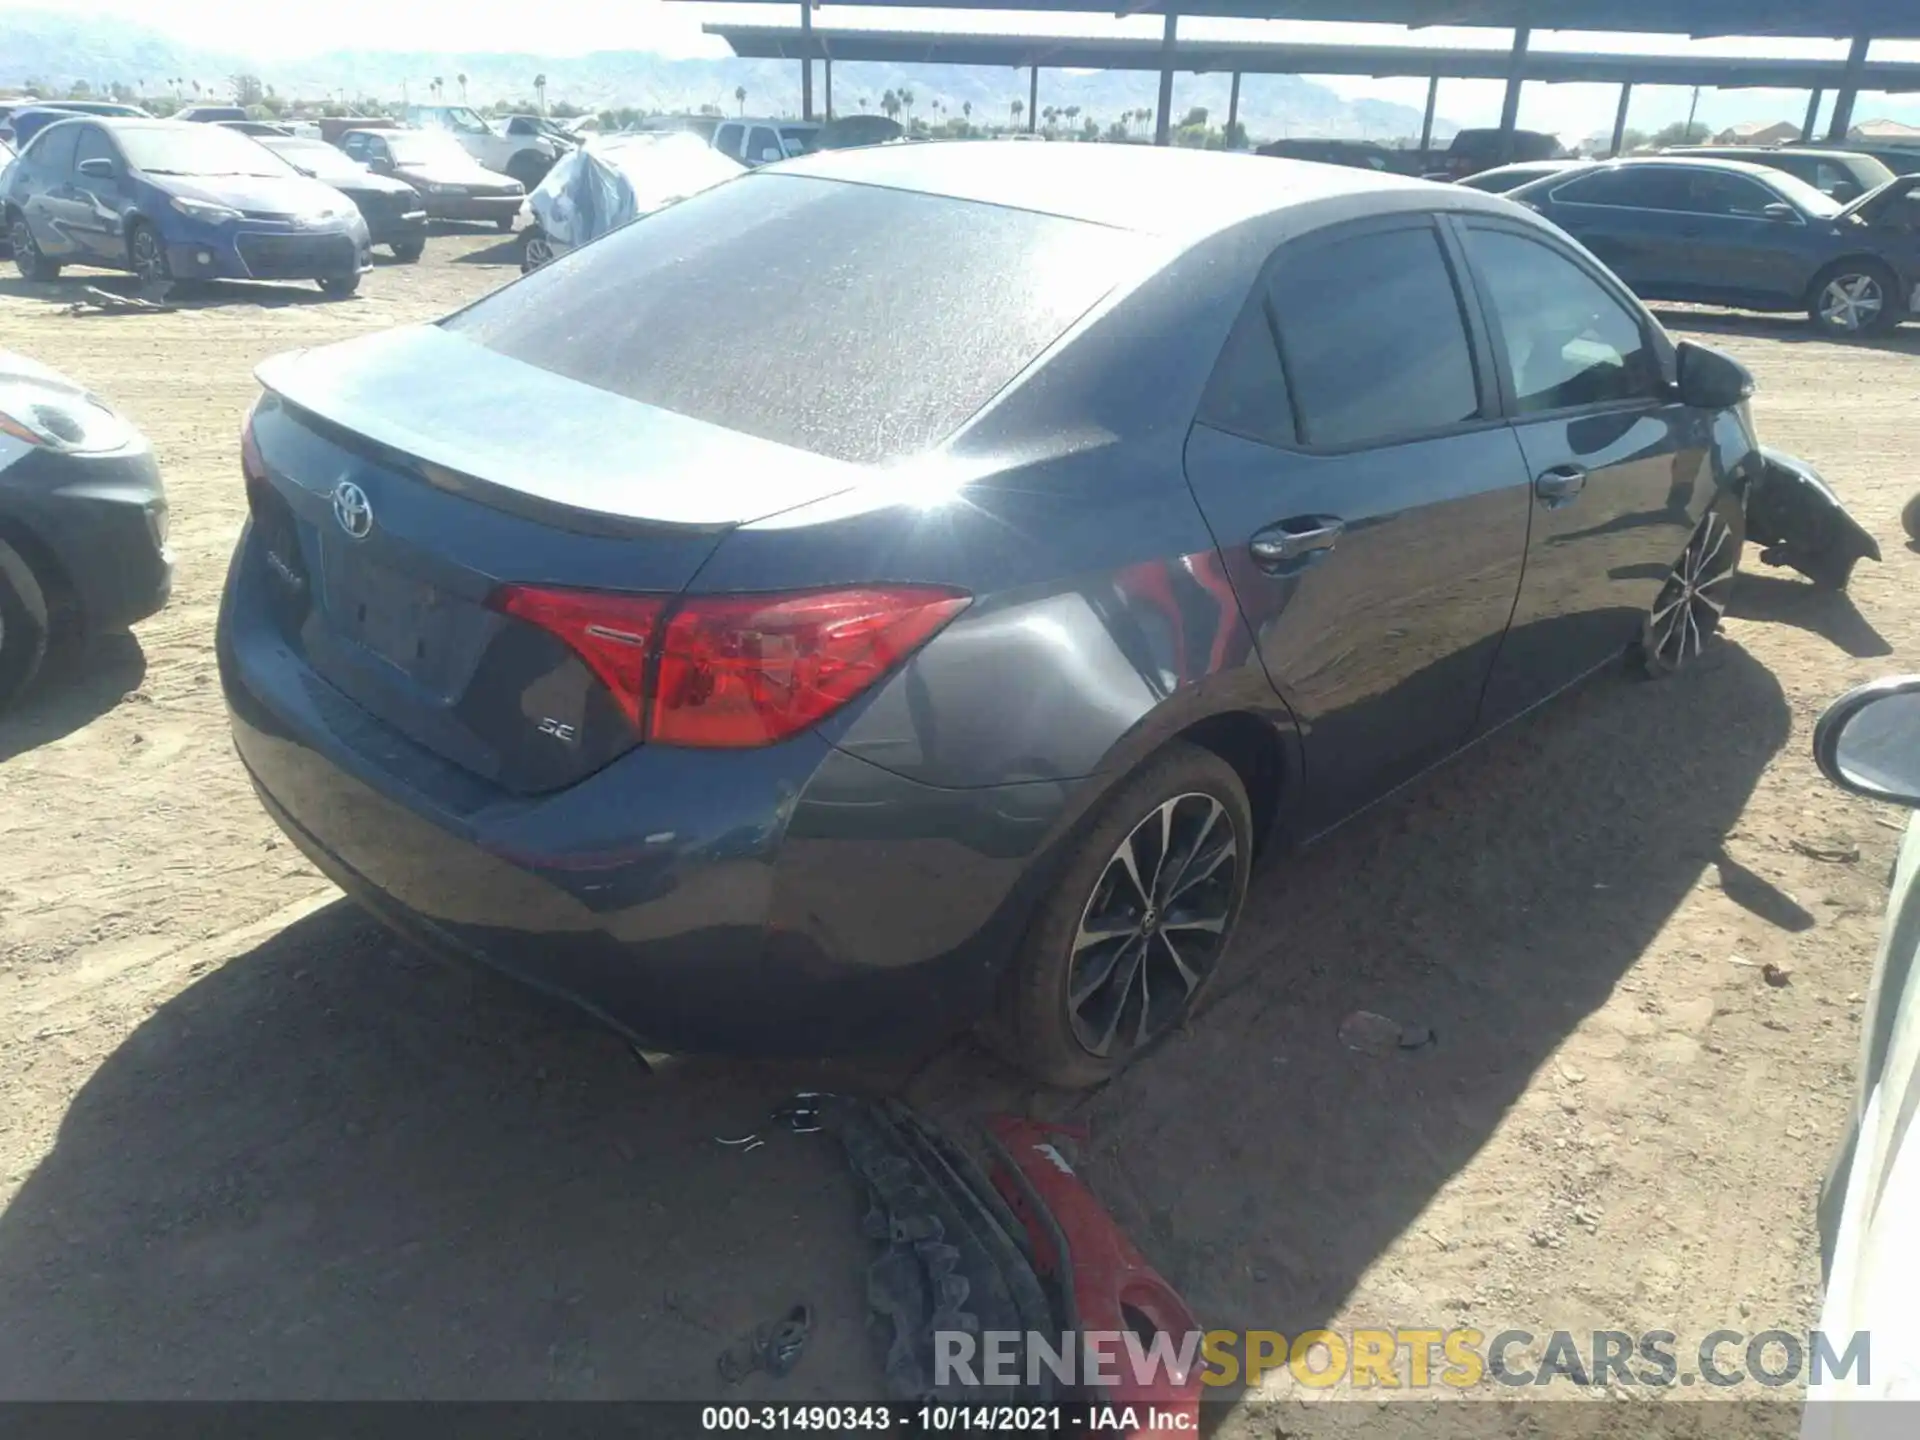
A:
[857,322]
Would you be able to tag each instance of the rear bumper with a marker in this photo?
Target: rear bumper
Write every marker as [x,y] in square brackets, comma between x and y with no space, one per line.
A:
[492,208]
[101,519]
[391,229]
[793,900]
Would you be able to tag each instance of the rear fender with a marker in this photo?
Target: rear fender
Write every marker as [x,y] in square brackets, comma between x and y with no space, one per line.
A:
[1797,520]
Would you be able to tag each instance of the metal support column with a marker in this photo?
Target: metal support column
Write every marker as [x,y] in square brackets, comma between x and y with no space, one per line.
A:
[827,64]
[1810,125]
[1163,116]
[1033,98]
[1233,111]
[1510,105]
[1426,120]
[1849,91]
[806,64]
[1620,117]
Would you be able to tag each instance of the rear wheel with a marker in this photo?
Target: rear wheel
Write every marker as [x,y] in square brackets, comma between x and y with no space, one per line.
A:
[1688,609]
[505,222]
[408,251]
[535,250]
[147,256]
[1910,519]
[26,252]
[1137,924]
[340,286]
[1855,297]
[23,625]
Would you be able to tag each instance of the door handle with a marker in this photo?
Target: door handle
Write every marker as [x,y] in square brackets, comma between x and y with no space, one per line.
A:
[1305,538]
[1560,484]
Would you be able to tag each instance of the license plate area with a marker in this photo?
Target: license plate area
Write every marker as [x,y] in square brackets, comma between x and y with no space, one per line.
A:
[391,614]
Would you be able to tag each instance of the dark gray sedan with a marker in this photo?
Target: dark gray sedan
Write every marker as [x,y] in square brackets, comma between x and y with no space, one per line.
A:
[909,584]
[1721,232]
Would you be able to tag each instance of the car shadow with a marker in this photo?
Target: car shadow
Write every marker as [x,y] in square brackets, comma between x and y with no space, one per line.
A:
[72,289]
[507,252]
[329,1167]
[71,692]
[1830,614]
[1791,329]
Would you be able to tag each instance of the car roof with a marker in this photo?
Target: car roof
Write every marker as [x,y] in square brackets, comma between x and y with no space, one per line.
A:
[1683,151]
[1158,190]
[1695,162]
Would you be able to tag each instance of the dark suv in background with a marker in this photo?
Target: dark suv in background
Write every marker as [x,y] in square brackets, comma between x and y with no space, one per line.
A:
[1475,150]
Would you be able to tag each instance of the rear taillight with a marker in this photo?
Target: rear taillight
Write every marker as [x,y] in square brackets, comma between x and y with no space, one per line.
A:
[751,669]
[612,633]
[740,670]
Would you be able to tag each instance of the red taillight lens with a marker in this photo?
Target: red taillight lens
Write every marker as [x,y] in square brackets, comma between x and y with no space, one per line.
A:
[749,670]
[614,634]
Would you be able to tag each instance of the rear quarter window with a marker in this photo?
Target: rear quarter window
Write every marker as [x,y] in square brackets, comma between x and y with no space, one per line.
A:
[857,322]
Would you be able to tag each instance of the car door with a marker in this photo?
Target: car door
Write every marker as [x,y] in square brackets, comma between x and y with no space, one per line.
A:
[355,145]
[1735,249]
[1631,218]
[1368,501]
[45,192]
[1619,465]
[100,198]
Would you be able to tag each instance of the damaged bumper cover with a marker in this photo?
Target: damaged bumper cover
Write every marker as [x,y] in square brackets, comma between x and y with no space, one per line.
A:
[1798,521]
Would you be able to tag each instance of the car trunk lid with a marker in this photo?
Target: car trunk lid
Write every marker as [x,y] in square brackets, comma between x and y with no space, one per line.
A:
[397,485]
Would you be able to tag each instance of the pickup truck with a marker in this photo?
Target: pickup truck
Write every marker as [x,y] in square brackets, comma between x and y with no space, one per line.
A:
[523,146]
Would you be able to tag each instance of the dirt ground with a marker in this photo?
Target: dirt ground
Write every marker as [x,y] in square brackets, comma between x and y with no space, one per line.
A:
[251,1146]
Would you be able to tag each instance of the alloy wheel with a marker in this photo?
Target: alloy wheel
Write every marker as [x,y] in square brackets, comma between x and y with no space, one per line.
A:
[1692,601]
[1851,302]
[1154,926]
[149,262]
[539,252]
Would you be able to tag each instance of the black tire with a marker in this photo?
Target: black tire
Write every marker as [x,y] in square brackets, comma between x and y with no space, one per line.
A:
[505,222]
[535,249]
[1039,1029]
[147,256]
[339,287]
[1844,289]
[1686,613]
[23,626]
[27,258]
[1828,572]
[1910,519]
[408,251]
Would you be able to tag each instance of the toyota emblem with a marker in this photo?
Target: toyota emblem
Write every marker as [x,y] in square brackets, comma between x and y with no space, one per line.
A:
[353,510]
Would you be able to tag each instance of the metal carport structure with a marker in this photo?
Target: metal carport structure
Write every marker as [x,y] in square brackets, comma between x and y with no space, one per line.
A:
[1859,22]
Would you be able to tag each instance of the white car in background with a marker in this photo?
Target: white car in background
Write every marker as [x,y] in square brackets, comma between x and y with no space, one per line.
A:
[1868,742]
[612,180]
[522,146]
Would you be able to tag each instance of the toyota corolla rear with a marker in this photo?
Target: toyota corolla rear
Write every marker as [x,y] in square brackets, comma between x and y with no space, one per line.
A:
[485,668]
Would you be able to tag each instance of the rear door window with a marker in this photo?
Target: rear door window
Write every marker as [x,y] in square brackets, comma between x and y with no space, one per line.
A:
[93,145]
[1652,187]
[762,144]
[1717,192]
[727,139]
[854,321]
[52,149]
[1373,338]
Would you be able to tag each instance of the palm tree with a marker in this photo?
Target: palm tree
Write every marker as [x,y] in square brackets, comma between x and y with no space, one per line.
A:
[863,104]
[540,89]
[437,86]
[906,103]
[966,109]
[1019,108]
[461,81]
[196,89]
[890,103]
[740,95]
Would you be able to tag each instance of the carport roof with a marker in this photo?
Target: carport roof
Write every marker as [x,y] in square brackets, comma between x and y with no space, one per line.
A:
[791,42]
[1828,19]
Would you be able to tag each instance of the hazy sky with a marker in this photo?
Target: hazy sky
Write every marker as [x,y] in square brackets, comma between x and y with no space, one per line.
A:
[267,32]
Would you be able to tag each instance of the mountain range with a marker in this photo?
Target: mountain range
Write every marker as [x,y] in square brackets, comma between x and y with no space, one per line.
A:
[50,48]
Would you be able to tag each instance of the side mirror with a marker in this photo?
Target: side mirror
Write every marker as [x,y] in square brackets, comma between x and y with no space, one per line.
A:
[1781,211]
[380,163]
[1710,380]
[1869,741]
[99,168]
